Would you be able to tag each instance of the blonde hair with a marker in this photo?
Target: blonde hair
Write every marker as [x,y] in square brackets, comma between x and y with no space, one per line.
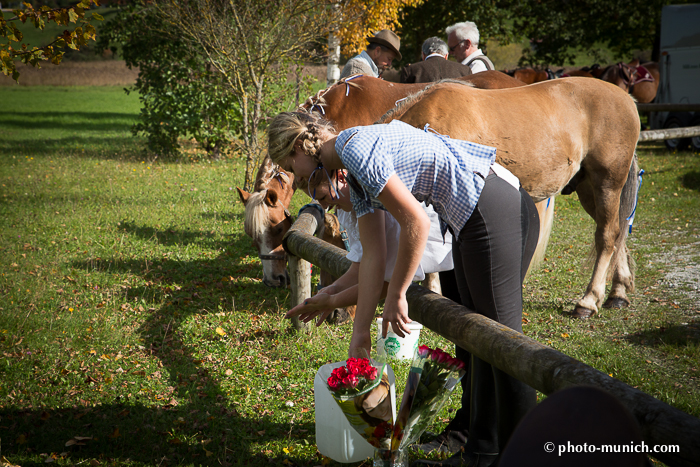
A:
[288,127]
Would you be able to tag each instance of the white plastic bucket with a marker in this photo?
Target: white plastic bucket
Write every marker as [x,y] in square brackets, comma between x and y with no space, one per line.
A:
[394,346]
[335,438]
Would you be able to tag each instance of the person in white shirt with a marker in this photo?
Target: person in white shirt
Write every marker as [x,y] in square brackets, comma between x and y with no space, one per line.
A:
[463,43]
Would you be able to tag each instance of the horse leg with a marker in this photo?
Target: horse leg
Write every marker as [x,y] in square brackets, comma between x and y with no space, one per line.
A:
[432,282]
[622,262]
[602,205]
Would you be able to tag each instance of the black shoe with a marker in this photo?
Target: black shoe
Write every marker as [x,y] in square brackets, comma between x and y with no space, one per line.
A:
[451,440]
[462,459]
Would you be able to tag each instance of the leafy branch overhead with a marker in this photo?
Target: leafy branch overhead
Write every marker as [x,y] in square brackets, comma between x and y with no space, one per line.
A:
[73,38]
[361,19]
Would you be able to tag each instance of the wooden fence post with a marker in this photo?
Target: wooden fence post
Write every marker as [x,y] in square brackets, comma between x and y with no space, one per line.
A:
[310,222]
[300,282]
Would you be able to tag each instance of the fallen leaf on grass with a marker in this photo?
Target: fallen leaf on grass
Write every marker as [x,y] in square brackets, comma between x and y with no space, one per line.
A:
[5,463]
[78,441]
[115,433]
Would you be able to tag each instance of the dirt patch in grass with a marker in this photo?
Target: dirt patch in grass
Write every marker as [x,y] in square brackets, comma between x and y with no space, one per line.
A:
[683,270]
[97,73]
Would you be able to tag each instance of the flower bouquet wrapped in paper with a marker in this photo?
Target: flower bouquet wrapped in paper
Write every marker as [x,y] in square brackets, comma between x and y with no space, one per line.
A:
[362,390]
[431,379]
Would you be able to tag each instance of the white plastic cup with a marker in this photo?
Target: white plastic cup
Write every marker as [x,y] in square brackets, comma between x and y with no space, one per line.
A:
[393,346]
[335,438]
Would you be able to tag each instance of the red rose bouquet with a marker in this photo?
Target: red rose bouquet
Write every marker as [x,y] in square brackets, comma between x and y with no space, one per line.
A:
[362,390]
[433,376]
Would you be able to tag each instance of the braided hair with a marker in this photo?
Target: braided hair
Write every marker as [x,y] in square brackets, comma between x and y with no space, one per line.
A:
[288,127]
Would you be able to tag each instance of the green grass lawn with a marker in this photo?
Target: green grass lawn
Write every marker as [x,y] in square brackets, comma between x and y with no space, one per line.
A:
[133,314]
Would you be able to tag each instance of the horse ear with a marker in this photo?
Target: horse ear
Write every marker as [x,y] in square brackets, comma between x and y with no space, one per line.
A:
[271,197]
[244,195]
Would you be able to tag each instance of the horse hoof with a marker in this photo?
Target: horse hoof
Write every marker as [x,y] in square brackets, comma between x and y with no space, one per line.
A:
[616,302]
[582,313]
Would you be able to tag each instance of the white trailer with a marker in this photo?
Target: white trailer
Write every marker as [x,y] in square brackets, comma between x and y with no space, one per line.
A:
[679,67]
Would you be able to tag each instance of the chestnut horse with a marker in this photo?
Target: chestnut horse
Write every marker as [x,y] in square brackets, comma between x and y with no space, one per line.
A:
[531,76]
[573,145]
[361,100]
[641,81]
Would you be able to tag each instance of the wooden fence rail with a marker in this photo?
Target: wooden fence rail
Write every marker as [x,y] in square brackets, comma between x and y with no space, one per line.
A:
[668,107]
[538,365]
[669,133]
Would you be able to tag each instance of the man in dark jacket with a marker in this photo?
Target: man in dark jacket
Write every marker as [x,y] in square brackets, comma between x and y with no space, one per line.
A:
[434,66]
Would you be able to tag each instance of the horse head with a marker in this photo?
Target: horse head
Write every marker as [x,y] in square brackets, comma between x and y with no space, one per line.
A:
[267,220]
[621,75]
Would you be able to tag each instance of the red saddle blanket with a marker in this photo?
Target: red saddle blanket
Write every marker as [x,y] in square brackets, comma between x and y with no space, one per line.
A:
[642,75]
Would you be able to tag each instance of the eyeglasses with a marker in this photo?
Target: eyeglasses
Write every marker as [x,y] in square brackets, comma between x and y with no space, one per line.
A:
[452,49]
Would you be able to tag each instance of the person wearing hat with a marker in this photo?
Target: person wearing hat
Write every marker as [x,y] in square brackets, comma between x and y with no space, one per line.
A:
[382,49]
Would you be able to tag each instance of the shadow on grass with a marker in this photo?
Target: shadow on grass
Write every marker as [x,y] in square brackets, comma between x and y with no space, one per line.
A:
[677,336]
[202,433]
[99,147]
[197,420]
[171,236]
[69,121]
[691,180]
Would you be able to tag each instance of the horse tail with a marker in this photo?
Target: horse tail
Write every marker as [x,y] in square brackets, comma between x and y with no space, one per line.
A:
[628,207]
[546,213]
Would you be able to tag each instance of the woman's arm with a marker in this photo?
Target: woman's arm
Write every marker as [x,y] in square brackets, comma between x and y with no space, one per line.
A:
[415,226]
[371,279]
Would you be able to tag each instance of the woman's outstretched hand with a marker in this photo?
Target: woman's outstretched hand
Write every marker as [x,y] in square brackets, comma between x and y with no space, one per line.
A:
[319,305]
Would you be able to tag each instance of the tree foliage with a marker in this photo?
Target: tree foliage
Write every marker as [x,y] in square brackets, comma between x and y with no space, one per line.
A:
[12,48]
[180,95]
[250,48]
[556,30]
[217,69]
[360,19]
[431,18]
[559,29]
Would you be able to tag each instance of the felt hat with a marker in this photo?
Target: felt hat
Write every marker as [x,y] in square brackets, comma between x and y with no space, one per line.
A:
[388,39]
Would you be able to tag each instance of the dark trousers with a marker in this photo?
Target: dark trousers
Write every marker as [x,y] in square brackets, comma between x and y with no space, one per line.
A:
[491,256]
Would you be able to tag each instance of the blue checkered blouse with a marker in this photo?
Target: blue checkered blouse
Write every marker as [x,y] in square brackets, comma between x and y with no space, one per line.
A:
[445,173]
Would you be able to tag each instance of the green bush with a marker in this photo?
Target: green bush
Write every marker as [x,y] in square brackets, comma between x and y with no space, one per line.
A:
[181,96]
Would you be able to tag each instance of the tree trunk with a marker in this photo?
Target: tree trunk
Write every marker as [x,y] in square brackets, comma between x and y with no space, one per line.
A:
[333,72]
